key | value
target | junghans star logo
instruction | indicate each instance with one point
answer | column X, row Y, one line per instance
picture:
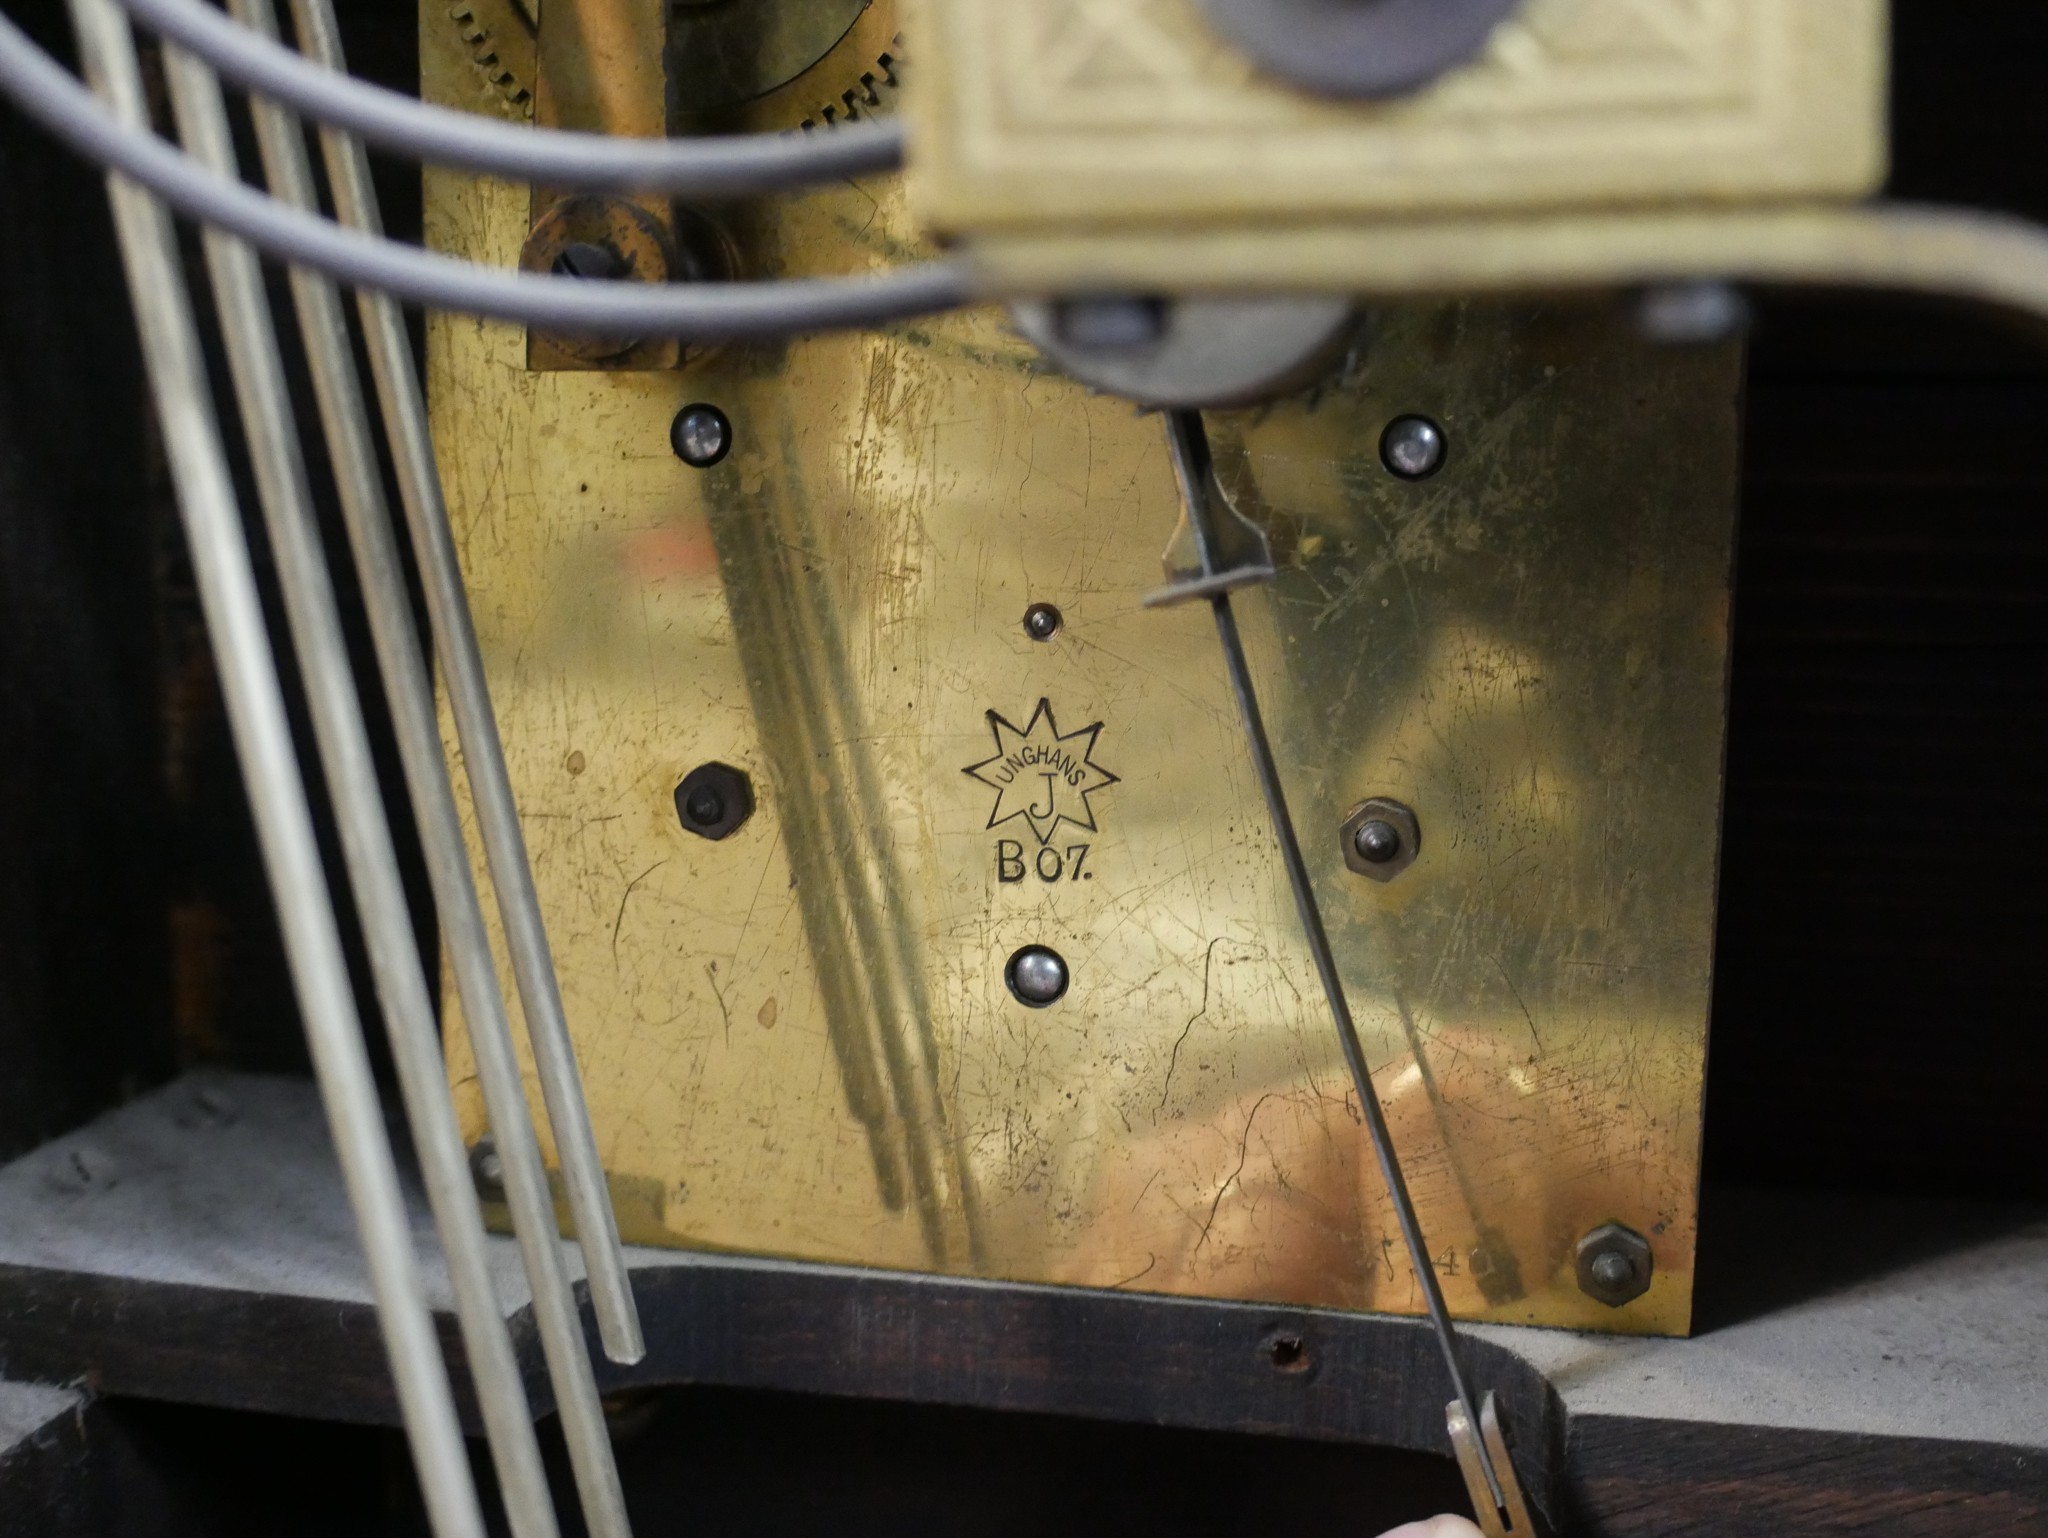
column 1042, row 775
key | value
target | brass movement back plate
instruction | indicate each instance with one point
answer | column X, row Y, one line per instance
column 799, row 1040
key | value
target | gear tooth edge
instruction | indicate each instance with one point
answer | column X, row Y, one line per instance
column 865, row 93
column 480, row 43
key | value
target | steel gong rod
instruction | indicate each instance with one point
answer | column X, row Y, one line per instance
column 483, row 754
column 351, row 442
column 277, row 793
column 257, row 368
column 1189, row 442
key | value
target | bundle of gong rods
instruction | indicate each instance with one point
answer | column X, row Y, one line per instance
column 148, row 177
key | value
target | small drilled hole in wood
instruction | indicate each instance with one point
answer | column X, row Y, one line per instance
column 1287, row 1353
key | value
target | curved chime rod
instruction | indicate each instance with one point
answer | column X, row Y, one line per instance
column 764, row 307
column 734, row 165
column 756, row 308
column 277, row 792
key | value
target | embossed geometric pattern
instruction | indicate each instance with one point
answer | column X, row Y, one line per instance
column 1142, row 60
column 1127, row 108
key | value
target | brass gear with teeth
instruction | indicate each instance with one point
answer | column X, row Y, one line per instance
column 499, row 38
column 873, row 48
column 873, row 95
column 856, row 78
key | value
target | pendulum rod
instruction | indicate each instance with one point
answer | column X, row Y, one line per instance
column 1190, row 445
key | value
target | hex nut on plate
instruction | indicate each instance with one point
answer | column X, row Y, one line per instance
column 599, row 238
column 1614, row 1264
column 713, row 800
column 1380, row 838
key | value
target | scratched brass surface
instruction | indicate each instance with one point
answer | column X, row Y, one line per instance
column 799, row 1041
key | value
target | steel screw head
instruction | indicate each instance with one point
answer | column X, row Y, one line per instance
column 487, row 1169
column 589, row 259
column 600, row 238
column 1042, row 622
column 713, row 800
column 1413, row 447
column 1614, row 1264
column 1377, row 841
column 1037, row 975
column 701, row 435
column 1612, row 1272
column 1381, row 838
